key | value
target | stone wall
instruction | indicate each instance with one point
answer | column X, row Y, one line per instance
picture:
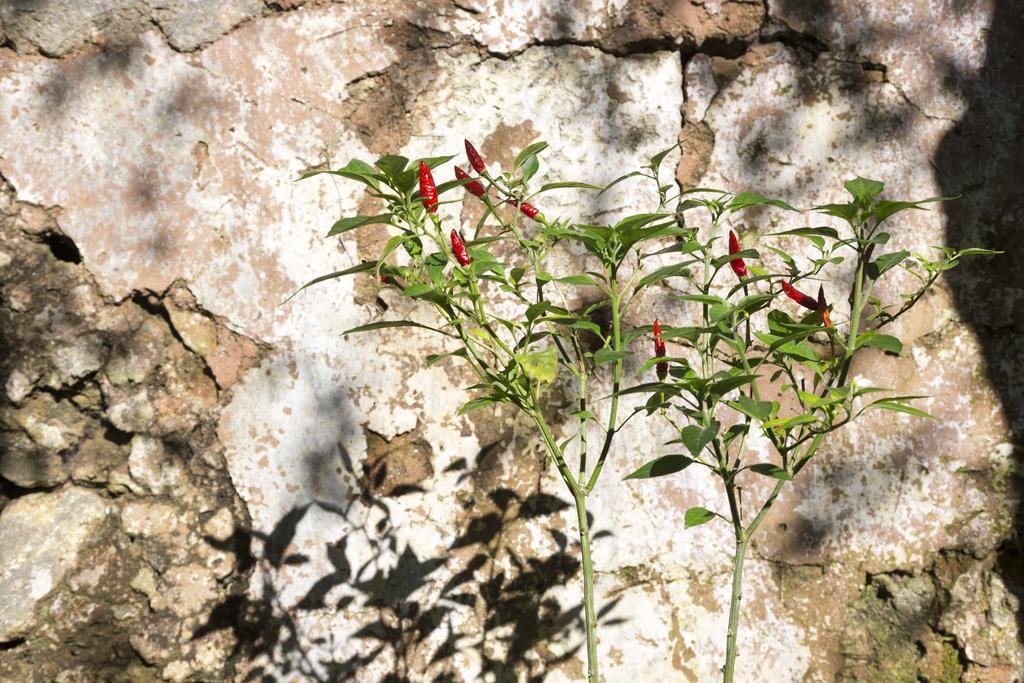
column 198, row 483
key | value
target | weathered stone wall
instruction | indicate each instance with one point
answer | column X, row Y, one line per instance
column 197, row 483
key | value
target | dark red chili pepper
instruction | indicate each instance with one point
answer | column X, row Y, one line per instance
column 428, row 190
column 459, row 249
column 823, row 307
column 529, row 209
column 473, row 187
column 799, row 297
column 738, row 266
column 474, row 158
column 659, row 351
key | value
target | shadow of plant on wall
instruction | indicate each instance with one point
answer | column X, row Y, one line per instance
column 481, row 599
column 982, row 159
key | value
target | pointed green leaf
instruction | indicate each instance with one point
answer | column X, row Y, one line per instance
column 863, row 190
column 876, row 268
column 745, row 199
column 770, row 470
column 559, row 186
column 529, row 151
column 540, row 366
column 346, row 224
column 359, row 268
column 885, row 342
column 659, row 467
column 696, row 516
column 384, row 324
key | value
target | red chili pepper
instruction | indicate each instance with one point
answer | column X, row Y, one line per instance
column 738, row 266
column 530, row 210
column 428, row 190
column 474, row 158
column 823, row 307
column 459, row 249
column 473, row 187
column 799, row 297
column 659, row 351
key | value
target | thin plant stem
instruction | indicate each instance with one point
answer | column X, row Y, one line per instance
column 588, row 587
column 729, row 670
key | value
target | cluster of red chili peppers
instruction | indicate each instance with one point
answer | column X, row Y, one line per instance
column 739, row 267
column 428, row 192
column 805, row 300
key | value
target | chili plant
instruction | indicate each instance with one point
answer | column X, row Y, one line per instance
column 505, row 264
column 717, row 392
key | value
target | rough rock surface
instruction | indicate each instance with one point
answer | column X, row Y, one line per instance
column 197, row 483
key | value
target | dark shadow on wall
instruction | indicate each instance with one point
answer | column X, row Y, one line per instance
column 417, row 613
column 982, row 160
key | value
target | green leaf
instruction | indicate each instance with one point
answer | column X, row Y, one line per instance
column 885, row 208
column 607, row 355
column 529, row 151
column 696, row 437
column 789, row 422
column 674, row 270
column 659, row 467
column 770, row 470
column 876, row 268
column 431, row 162
column 720, row 261
column 847, row 212
column 891, row 404
column 559, row 186
column 434, row 358
column 821, row 231
column 577, row 280
column 745, row 199
column 540, row 366
column 392, row 165
column 660, row 156
column 476, row 403
column 530, row 167
column 354, row 170
column 701, row 298
column 974, row 251
column 384, row 324
column 759, row 410
column 346, row 224
column 696, row 516
column 885, row 342
column 726, row 385
column 584, row 414
column 424, row 291
column 452, row 184
column 359, row 268
column 863, row 190
column 637, row 221
column 620, row 179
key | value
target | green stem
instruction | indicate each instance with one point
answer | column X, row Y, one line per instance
column 616, row 381
column 588, row 588
column 734, row 611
